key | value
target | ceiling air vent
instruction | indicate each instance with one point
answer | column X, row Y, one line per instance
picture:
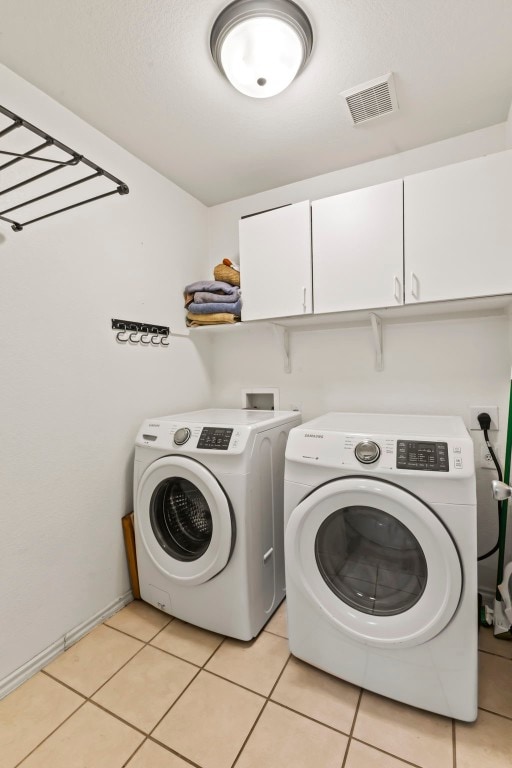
column 372, row 99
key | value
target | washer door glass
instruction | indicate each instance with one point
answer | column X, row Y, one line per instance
column 375, row 560
column 181, row 519
column 184, row 522
column 370, row 560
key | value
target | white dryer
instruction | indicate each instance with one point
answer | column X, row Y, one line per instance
column 208, row 491
column 380, row 551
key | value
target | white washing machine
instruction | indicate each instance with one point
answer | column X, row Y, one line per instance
column 380, row 552
column 208, row 490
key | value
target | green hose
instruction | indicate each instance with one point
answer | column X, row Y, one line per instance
column 503, row 516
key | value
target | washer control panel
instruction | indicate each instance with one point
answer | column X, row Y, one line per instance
column 427, row 456
column 215, row 438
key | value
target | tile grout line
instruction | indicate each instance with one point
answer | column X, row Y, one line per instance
column 238, row 685
column 152, row 738
column 134, row 753
column 493, row 653
column 118, row 717
column 308, row 717
column 383, row 752
column 199, row 669
column 260, row 713
column 356, row 712
column 276, row 634
column 492, row 712
column 51, row 734
column 171, row 751
column 134, row 637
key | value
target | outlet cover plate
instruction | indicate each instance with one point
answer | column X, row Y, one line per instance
column 492, row 410
column 486, row 461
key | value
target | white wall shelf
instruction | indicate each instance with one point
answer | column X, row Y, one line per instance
column 417, row 313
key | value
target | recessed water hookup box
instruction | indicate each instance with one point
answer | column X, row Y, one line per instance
column 261, row 399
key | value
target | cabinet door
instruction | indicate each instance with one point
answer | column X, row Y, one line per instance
column 358, row 249
column 275, row 262
column 458, row 230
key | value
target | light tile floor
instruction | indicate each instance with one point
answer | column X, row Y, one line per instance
column 147, row 691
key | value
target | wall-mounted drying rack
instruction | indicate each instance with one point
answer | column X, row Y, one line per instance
column 143, row 333
column 21, row 132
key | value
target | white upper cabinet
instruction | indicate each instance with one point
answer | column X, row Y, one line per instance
column 358, row 249
column 458, row 230
column 275, row 262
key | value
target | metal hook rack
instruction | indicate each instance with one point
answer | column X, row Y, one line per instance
column 75, row 159
column 147, row 333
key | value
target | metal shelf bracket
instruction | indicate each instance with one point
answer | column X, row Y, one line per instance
column 376, row 324
column 282, row 335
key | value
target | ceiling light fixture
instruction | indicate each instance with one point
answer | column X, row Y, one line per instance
column 261, row 45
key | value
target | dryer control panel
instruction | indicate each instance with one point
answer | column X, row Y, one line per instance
column 215, row 438
column 193, row 438
column 424, row 455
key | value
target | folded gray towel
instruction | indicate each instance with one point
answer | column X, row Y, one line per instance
column 206, row 309
column 205, row 297
column 212, row 286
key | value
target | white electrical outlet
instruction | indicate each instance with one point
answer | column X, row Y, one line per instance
column 492, row 410
column 486, row 461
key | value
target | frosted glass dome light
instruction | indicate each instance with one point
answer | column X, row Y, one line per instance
column 261, row 45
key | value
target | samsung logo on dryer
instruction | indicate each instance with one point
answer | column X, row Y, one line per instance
column 309, row 434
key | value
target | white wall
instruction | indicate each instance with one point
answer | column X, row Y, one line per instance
column 509, row 128
column 72, row 398
column 431, row 366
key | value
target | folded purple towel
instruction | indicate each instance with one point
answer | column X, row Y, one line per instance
column 205, row 297
column 212, row 286
column 206, row 309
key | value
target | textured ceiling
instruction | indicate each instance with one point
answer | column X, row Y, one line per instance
column 141, row 72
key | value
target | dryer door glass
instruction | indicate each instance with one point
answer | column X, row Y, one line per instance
column 379, row 561
column 370, row 560
column 181, row 519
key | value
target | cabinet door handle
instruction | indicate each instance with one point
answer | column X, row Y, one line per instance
column 398, row 290
column 415, row 286
column 304, row 298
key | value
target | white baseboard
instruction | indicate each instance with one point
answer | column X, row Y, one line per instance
column 21, row 674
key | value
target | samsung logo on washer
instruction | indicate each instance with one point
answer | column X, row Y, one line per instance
column 308, row 434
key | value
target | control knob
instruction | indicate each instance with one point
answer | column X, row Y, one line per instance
column 181, row 436
column 367, row 452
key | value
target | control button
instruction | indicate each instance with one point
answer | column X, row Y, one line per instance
column 457, row 449
column 181, row 436
column 367, row 452
column 458, row 463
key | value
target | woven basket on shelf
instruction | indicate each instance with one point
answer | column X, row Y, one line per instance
column 226, row 274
